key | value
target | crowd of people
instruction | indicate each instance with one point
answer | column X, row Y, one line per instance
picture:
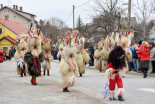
column 7, row 54
column 142, row 55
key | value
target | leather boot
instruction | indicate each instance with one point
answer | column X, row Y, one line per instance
column 120, row 98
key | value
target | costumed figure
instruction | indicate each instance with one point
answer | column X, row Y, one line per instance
column 68, row 67
column 22, row 48
column 128, row 53
column 85, row 56
column 108, row 46
column 114, row 72
column 48, row 57
column 60, row 51
column 97, row 56
column 33, row 58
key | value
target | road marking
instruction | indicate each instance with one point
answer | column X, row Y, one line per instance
column 148, row 89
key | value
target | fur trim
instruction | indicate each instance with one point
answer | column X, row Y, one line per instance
column 120, row 91
column 121, row 72
column 111, row 94
column 109, row 74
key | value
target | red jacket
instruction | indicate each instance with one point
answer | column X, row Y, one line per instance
column 144, row 54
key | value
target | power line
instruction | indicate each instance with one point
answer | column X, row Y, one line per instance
column 83, row 4
column 68, row 16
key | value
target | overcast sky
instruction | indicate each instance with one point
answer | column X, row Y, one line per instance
column 44, row 9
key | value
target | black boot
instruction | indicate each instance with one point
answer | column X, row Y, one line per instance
column 80, row 75
column 65, row 90
column 24, row 74
column 44, row 72
column 120, row 98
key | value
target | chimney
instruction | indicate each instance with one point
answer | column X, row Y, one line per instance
column 1, row 6
column 14, row 6
column 21, row 8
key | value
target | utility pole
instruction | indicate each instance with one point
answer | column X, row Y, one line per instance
column 73, row 16
column 129, row 15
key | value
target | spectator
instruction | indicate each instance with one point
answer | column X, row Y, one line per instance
column 134, row 56
column 7, row 54
column 140, row 46
column 130, row 64
column 144, row 58
column 152, row 56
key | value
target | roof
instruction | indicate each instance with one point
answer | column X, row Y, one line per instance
column 153, row 21
column 15, row 27
column 9, row 39
column 18, row 12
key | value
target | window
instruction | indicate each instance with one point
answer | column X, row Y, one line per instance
column 0, row 31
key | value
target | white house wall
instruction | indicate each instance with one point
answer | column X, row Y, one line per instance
column 152, row 32
column 13, row 16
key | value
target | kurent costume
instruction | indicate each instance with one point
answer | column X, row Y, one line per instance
column 22, row 48
column 48, row 57
column 82, row 57
column 33, row 58
column 97, row 56
column 128, row 53
column 68, row 67
column 60, row 51
column 114, row 72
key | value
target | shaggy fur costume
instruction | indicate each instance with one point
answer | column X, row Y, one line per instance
column 60, row 51
column 68, row 67
column 114, row 72
column 22, row 48
column 48, row 57
column 97, row 56
column 128, row 53
column 82, row 57
column 33, row 58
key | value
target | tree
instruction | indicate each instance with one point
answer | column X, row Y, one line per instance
column 108, row 15
column 79, row 25
column 144, row 10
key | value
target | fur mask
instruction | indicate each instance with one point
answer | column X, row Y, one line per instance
column 69, row 52
column 46, row 48
column 22, row 48
column 35, row 47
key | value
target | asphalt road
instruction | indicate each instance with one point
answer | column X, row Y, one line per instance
column 88, row 89
column 138, row 90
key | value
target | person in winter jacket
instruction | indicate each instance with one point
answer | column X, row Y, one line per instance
column 134, row 56
column 144, row 58
column 152, row 56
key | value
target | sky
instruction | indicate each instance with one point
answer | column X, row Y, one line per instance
column 44, row 9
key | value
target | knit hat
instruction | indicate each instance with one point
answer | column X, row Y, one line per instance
column 145, row 45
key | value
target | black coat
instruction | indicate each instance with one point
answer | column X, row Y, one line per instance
column 30, row 62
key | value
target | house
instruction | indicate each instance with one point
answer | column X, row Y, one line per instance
column 18, row 15
column 151, row 30
column 9, row 30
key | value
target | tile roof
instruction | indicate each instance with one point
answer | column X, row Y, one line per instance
column 153, row 21
column 15, row 27
column 10, row 39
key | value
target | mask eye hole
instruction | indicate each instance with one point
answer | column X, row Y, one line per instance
column 23, row 49
column 35, row 47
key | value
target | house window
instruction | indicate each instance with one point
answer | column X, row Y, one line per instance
column 5, row 48
column 0, row 31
